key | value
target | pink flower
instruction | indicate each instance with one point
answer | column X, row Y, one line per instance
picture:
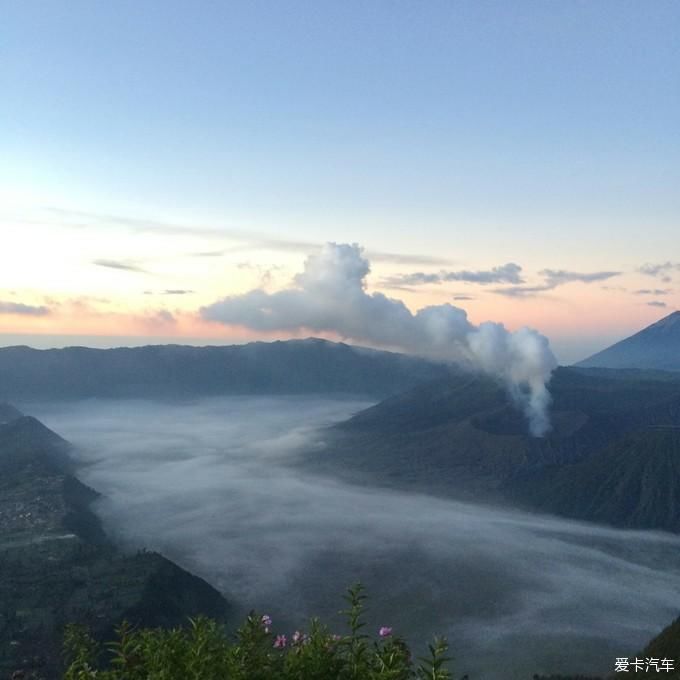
column 385, row 631
column 280, row 641
column 266, row 622
column 299, row 637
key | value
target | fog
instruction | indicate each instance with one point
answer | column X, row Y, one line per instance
column 206, row 482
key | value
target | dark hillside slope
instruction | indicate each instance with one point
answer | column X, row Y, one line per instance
column 464, row 437
column 666, row 645
column 292, row 367
column 57, row 565
column 633, row 483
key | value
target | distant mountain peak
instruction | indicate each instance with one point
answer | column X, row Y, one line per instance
column 670, row 321
column 655, row 347
column 9, row 413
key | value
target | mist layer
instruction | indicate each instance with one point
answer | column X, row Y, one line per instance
column 207, row 483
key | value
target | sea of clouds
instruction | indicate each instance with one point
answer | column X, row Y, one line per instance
column 207, row 482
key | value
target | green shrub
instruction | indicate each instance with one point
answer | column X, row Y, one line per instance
column 205, row 651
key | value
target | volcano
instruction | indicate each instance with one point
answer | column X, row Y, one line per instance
column 654, row 347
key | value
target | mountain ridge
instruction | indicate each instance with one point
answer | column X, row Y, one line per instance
column 282, row 367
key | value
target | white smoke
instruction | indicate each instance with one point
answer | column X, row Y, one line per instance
column 330, row 296
column 525, row 362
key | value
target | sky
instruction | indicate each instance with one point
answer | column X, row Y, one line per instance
column 517, row 160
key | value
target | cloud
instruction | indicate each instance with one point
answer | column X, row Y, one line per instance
column 522, row 291
column 163, row 316
column 329, row 296
column 463, row 297
column 250, row 240
column 123, row 265
column 653, row 291
column 507, row 273
column 657, row 303
column 152, row 320
column 558, row 277
column 404, row 258
column 402, row 281
column 22, row 309
column 208, row 253
column 661, row 270
column 266, row 274
column 553, row 278
column 209, row 484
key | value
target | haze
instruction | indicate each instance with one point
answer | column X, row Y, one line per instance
column 207, row 482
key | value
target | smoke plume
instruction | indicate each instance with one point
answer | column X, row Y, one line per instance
column 329, row 295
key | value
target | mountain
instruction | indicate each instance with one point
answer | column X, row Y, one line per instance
column 666, row 645
column 634, row 482
column 57, row 565
column 290, row 367
column 655, row 347
column 463, row 437
column 8, row 413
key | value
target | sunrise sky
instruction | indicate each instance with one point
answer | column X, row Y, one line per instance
column 520, row 160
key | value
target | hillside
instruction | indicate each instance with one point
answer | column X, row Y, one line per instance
column 291, row 367
column 464, row 437
column 57, row 565
column 666, row 645
column 654, row 347
column 633, row 483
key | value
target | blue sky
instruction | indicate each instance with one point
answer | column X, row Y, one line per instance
column 480, row 133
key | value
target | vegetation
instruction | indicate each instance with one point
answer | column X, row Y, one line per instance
column 631, row 483
column 58, row 566
column 204, row 650
column 610, row 456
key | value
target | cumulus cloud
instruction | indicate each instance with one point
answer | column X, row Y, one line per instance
column 554, row 278
column 507, row 273
column 656, row 303
column 661, row 270
column 22, row 309
column 329, row 296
